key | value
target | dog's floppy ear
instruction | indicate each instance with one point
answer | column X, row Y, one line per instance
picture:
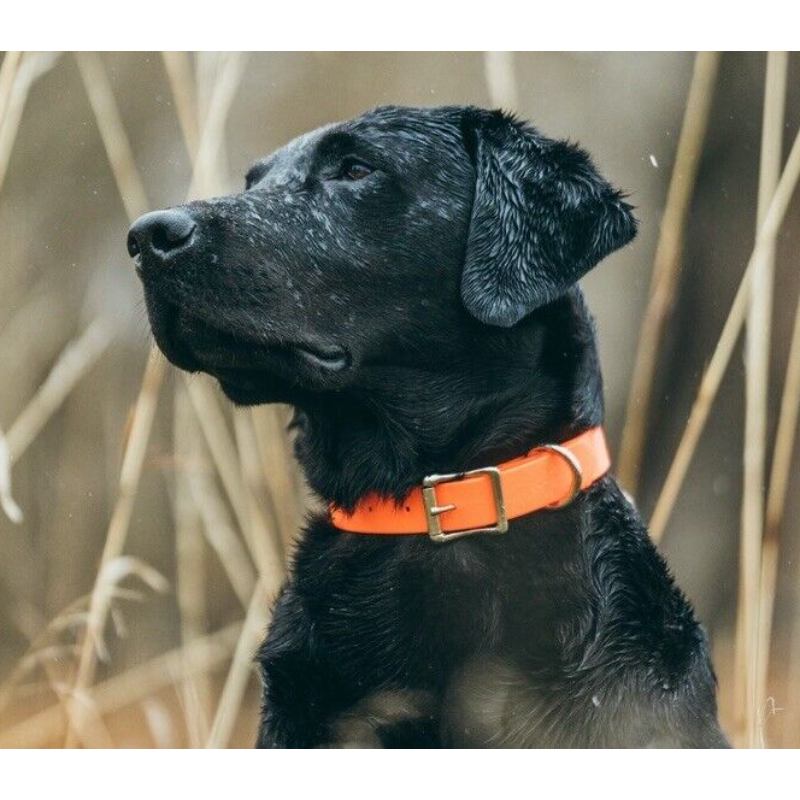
column 542, row 217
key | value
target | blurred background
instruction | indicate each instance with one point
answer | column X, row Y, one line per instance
column 146, row 524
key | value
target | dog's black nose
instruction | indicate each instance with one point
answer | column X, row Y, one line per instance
column 161, row 233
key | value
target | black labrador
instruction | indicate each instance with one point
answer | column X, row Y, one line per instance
column 407, row 282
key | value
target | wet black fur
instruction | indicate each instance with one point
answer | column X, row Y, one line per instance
column 406, row 281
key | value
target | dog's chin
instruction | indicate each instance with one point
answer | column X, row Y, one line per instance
column 250, row 370
column 254, row 389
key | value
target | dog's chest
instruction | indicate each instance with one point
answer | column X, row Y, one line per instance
column 388, row 618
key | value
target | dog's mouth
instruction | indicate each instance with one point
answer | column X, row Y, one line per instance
column 237, row 357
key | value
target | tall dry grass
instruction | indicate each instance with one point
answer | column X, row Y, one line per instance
column 252, row 542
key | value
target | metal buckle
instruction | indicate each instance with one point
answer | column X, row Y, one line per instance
column 433, row 509
column 577, row 474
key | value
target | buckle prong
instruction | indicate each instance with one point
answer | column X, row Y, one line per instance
column 436, row 510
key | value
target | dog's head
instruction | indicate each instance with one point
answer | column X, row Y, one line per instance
column 399, row 239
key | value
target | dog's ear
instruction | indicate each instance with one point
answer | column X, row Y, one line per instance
column 542, row 217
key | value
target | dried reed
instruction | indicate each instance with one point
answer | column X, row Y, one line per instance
column 178, row 67
column 498, row 67
column 280, row 472
column 759, row 325
column 17, row 80
column 132, row 463
column 242, row 493
column 131, row 189
column 714, row 372
column 77, row 358
column 74, row 362
column 785, row 440
column 205, row 177
column 241, row 668
column 119, row 153
column 146, row 679
column 190, row 562
column 8, row 71
column 112, row 131
column 666, row 265
column 222, row 537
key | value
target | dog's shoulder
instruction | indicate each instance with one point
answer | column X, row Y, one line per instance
column 638, row 599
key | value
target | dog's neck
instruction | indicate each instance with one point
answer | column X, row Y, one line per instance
column 541, row 385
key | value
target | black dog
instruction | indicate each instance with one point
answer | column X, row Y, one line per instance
column 406, row 281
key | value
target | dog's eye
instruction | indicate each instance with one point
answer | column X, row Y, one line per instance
column 354, row 170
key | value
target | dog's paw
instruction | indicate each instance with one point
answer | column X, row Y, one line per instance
column 388, row 718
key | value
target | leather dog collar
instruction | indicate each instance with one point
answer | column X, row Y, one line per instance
column 483, row 500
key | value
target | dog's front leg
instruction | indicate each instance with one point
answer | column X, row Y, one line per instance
column 396, row 718
column 307, row 703
column 304, row 707
column 295, row 712
column 301, row 693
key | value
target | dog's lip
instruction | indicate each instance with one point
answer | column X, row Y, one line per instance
column 328, row 357
column 332, row 357
column 222, row 356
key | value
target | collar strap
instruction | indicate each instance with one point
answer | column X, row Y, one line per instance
column 483, row 500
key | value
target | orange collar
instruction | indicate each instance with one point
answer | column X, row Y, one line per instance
column 484, row 500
